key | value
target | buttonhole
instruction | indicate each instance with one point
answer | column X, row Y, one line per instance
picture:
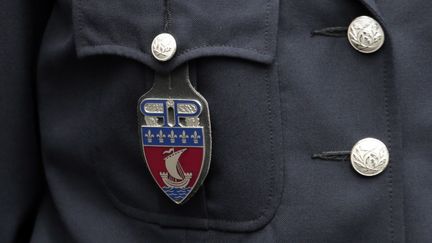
column 333, row 155
column 338, row 31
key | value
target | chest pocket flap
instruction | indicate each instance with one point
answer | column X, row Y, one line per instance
column 240, row 28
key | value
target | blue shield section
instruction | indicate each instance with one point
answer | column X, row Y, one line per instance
column 172, row 136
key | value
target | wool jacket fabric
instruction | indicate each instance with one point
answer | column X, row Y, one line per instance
column 279, row 90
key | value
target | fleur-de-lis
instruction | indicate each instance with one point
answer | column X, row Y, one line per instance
column 161, row 136
column 195, row 137
column 184, row 137
column 149, row 136
column 172, row 136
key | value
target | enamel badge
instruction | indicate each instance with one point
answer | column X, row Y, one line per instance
column 174, row 127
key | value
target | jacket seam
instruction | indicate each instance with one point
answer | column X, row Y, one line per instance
column 389, row 140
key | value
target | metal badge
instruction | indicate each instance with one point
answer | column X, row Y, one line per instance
column 174, row 126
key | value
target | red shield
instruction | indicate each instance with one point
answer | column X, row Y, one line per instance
column 175, row 158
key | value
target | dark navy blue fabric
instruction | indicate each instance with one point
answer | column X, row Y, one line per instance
column 21, row 171
column 201, row 28
column 71, row 166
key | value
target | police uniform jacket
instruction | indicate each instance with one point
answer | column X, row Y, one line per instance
column 288, row 97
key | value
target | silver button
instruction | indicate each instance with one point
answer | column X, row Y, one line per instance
column 369, row 157
column 163, row 47
column 365, row 34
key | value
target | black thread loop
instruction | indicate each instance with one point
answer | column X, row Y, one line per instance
column 333, row 155
column 331, row 32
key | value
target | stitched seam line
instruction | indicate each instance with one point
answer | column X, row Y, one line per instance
column 282, row 141
column 86, row 49
column 167, row 15
column 389, row 136
column 80, row 20
column 272, row 158
column 389, row 140
column 206, row 45
column 267, row 26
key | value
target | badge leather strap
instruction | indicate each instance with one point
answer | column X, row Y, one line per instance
column 175, row 133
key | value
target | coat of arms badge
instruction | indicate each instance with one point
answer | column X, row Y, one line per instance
column 174, row 127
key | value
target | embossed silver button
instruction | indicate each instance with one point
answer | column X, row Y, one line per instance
column 163, row 47
column 369, row 157
column 365, row 34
